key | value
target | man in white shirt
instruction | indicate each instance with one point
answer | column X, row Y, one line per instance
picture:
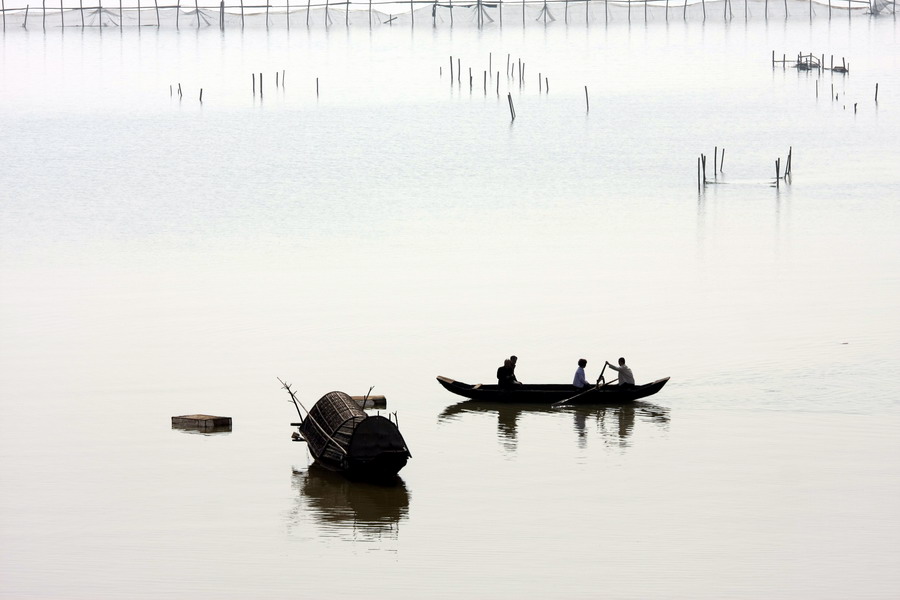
column 580, row 380
column 626, row 377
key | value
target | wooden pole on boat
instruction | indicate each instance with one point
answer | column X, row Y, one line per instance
column 512, row 110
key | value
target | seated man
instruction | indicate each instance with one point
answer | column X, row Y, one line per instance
column 580, row 380
column 626, row 377
column 505, row 376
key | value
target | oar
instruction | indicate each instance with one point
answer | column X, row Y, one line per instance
column 599, row 379
column 562, row 402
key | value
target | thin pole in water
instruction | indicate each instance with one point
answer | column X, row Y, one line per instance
column 876, row 93
column 698, row 174
column 587, row 101
column 512, row 110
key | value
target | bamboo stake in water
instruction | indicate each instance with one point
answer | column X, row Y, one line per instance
column 722, row 161
column 876, row 93
column 201, row 95
column 512, row 110
column 546, row 86
column 498, row 83
column 253, row 75
column 698, row 174
column 587, row 101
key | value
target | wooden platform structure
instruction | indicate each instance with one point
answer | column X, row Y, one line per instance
column 202, row 422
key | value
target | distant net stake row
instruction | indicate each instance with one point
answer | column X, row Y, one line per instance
column 480, row 14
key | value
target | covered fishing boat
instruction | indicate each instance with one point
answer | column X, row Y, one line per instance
column 552, row 393
column 342, row 437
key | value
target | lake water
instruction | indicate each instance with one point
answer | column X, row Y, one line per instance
column 160, row 256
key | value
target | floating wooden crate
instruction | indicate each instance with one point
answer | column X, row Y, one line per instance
column 371, row 401
column 204, row 422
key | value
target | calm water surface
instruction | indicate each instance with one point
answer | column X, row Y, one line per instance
column 160, row 257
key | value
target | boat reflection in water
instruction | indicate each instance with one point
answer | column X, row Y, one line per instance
column 615, row 422
column 351, row 509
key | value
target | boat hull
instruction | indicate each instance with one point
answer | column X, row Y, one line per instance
column 552, row 393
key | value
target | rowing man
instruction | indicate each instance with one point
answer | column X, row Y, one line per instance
column 626, row 377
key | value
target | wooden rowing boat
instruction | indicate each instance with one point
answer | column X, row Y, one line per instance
column 552, row 393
